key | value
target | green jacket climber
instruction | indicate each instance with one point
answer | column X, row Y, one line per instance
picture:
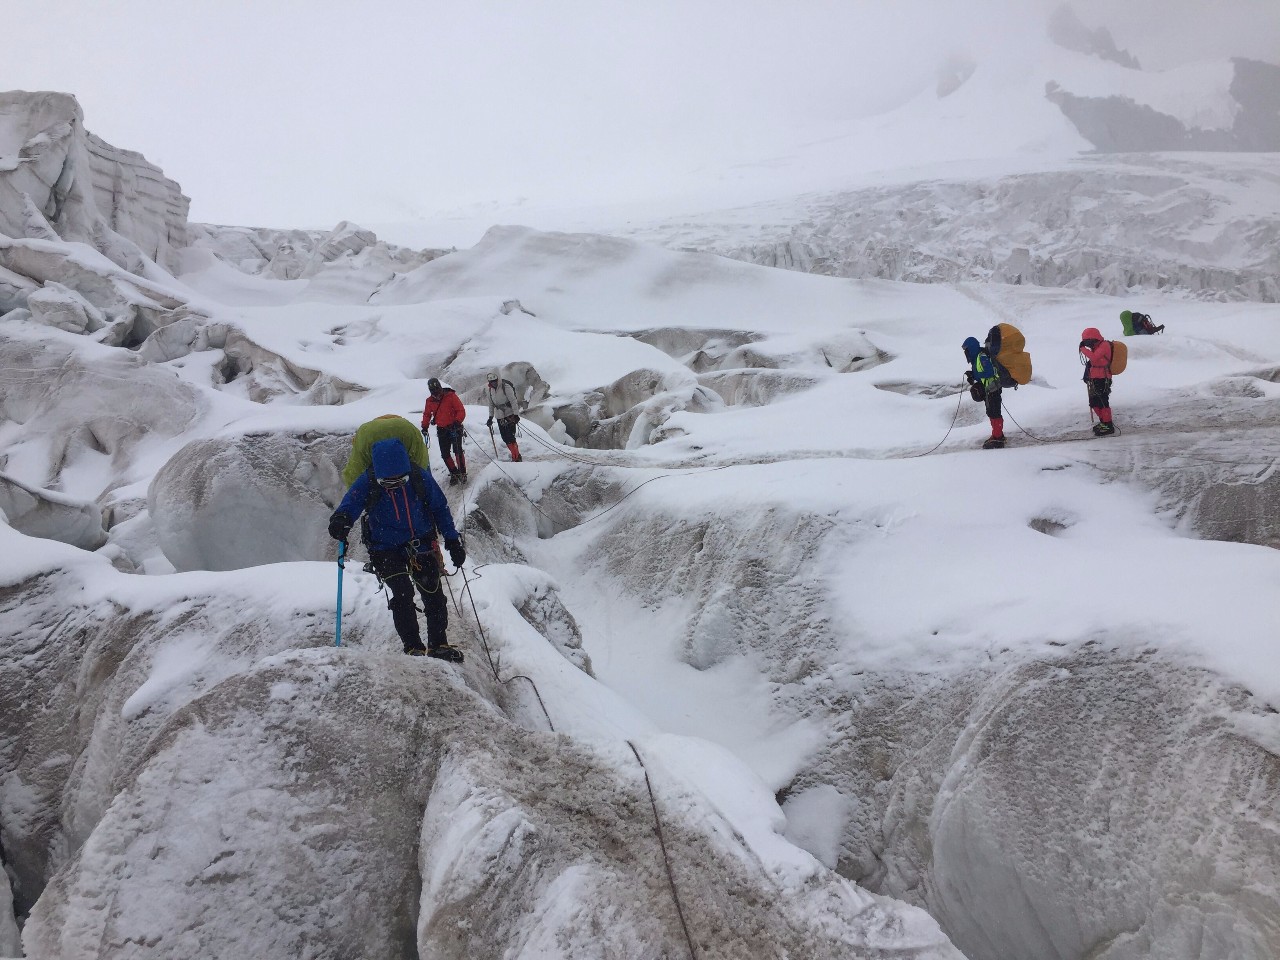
column 388, row 425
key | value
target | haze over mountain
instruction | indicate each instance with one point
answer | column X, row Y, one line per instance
column 407, row 112
column 765, row 656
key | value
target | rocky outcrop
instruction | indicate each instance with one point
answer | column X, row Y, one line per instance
column 1067, row 31
column 1119, row 124
column 10, row 938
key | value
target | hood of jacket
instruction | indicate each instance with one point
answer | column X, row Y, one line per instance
column 390, row 458
column 971, row 348
column 1092, row 333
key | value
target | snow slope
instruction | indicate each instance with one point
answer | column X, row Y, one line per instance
column 864, row 667
column 765, row 657
column 1029, row 108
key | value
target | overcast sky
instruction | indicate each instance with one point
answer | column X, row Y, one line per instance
column 304, row 112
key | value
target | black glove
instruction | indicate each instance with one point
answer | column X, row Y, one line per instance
column 968, row 375
column 1089, row 343
column 456, row 553
column 339, row 525
column 425, row 434
column 489, row 422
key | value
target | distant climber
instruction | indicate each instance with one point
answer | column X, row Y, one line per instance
column 1095, row 354
column 445, row 410
column 984, row 385
column 387, row 425
column 1138, row 324
column 501, row 395
column 404, row 508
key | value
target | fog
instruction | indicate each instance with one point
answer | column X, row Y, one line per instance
column 304, row 112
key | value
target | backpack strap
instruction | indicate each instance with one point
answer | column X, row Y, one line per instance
column 370, row 500
column 375, row 491
column 418, row 480
column 993, row 341
column 419, row 484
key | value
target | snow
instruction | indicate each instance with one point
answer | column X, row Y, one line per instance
column 881, row 692
column 851, row 523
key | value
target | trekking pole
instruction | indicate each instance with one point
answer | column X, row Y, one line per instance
column 342, row 553
column 493, row 441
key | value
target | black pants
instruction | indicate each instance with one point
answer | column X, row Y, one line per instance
column 1099, row 393
column 402, row 572
column 993, row 403
column 507, row 427
column 450, row 440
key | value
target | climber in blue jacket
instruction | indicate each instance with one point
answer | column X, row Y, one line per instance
column 404, row 508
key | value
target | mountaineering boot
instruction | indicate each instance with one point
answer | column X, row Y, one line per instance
column 996, row 440
column 462, row 477
column 1103, row 429
column 418, row 651
column 514, row 451
column 445, row 652
column 453, row 479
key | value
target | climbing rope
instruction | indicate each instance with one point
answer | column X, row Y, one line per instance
column 1005, row 410
column 484, row 641
column 666, row 858
column 596, row 516
column 488, row 653
column 1265, row 464
column 560, row 452
column 494, row 460
column 954, row 417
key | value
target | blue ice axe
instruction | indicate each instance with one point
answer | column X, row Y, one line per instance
column 342, row 552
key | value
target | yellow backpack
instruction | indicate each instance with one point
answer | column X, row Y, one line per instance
column 1119, row 357
column 1007, row 346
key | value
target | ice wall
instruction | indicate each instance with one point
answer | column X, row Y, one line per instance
column 1203, row 227
column 59, row 181
column 304, row 254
